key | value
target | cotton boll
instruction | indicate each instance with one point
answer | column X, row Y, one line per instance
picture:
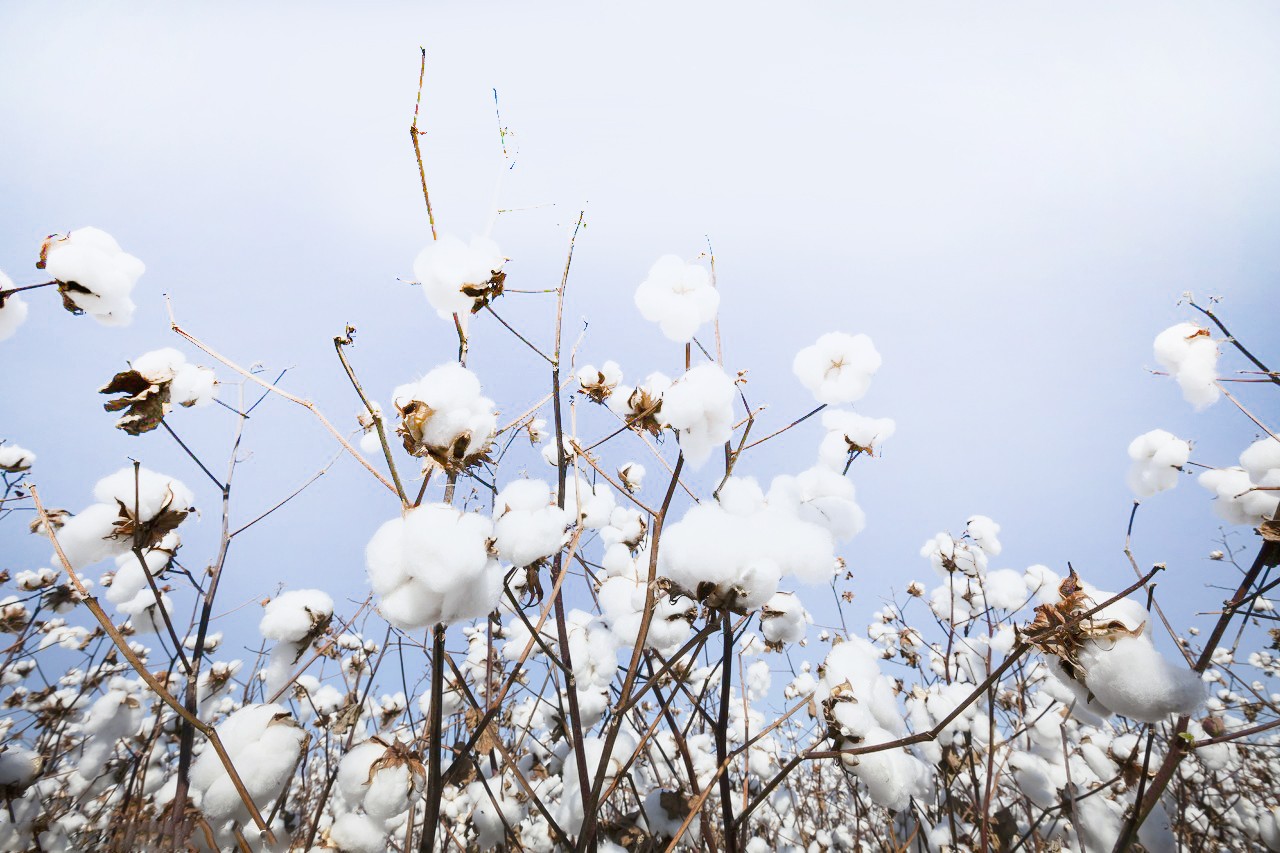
column 1238, row 502
column 678, row 297
column 527, row 525
column 838, row 368
column 1262, row 460
column 700, row 406
column 849, row 433
column 445, row 417
column 641, row 407
column 982, row 531
column 13, row 311
column 149, row 492
column 599, row 383
column 359, row 833
column 632, row 476
column 433, row 566
column 94, row 274
column 593, row 505
column 457, row 277
column 1131, row 678
column 783, row 619
column 1158, row 457
column 1005, row 589
column 296, row 616
column 1191, row 355
column 263, row 742
column 85, row 538
column 15, row 459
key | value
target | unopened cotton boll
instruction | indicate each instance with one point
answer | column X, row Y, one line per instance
column 838, row 367
column 1158, row 457
column 700, row 405
column 93, row 273
column 15, row 459
column 1190, row 353
column 432, row 566
column 456, row 277
column 528, row 526
column 678, row 297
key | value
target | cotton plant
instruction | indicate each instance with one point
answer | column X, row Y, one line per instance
column 153, row 384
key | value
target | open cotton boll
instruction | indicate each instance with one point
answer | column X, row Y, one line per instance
column 446, row 418
column 13, row 310
column 838, row 368
column 359, row 833
column 782, row 620
column 15, row 459
column 528, row 526
column 1190, row 353
column 894, row 776
column 1131, row 678
column 457, row 277
column 1238, row 502
column 593, row 505
column 1158, row 457
column 700, row 405
column 983, row 532
column 641, row 407
column 1262, row 460
column 849, row 433
column 106, row 528
column 632, row 475
column 856, row 693
column 296, row 616
column 433, row 566
column 947, row 555
column 149, row 492
column 678, row 297
column 599, row 383
column 263, row 743
column 94, row 275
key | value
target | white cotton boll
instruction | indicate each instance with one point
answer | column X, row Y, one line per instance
column 758, row 680
column 1005, row 589
column 893, row 777
column 160, row 365
column 1131, row 678
column 1190, row 353
column 678, row 297
column 1237, row 500
column 1042, row 584
column 741, row 496
column 527, row 524
column 857, row 663
column 1037, row 779
column 371, row 444
column 147, row 491
column 447, row 265
column 445, row 415
column 19, row 767
column 632, row 476
column 85, row 537
column 89, row 259
column 700, row 405
column 838, row 367
column 599, row 383
column 15, row 459
column 13, row 312
column 193, row 386
column 263, row 742
column 821, row 497
column 391, row 789
column 983, row 532
column 641, row 406
column 1158, row 457
column 433, row 566
column 293, row 616
column 1262, row 460
column 358, row 833
column 849, row 432
column 783, row 619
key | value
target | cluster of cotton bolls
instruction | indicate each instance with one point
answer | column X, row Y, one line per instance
column 378, row 780
column 1248, row 494
column 1190, row 354
column 432, row 566
column 460, row 278
column 139, row 507
column 95, row 276
column 527, row 524
column 734, row 551
column 446, row 418
column 678, row 296
column 1158, row 457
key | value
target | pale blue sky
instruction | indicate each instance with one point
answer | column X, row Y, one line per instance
column 1009, row 198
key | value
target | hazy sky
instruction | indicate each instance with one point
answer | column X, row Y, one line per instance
column 1009, row 198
